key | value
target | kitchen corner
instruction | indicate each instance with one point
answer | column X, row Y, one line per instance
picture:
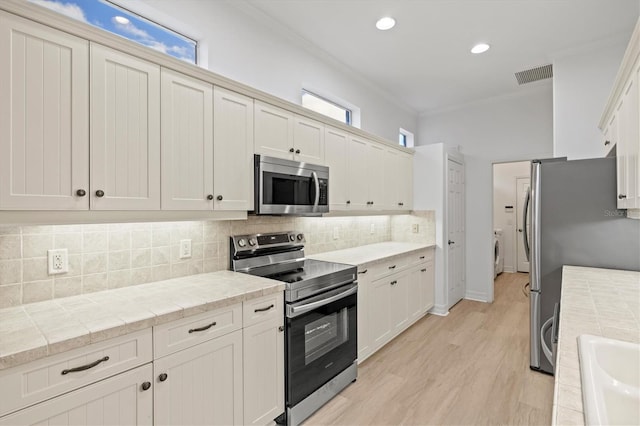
column 600, row 302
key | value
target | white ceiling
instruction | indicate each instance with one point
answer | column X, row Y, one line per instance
column 425, row 63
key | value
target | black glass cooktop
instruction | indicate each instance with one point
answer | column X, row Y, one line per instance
column 311, row 269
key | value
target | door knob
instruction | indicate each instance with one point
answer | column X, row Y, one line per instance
column 621, row 196
column 451, row 242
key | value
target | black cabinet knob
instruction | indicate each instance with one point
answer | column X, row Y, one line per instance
column 210, row 197
column 281, row 328
column 99, row 193
column 291, row 149
column 297, row 151
column 81, row 192
column 348, row 201
column 621, row 196
column 606, row 143
column 162, row 377
column 219, row 198
column 145, row 386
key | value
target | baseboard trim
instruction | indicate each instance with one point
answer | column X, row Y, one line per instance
column 440, row 310
column 476, row 296
column 510, row 270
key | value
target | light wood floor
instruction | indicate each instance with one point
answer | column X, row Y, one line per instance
column 471, row 367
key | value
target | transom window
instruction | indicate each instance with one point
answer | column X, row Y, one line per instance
column 405, row 138
column 326, row 107
column 109, row 17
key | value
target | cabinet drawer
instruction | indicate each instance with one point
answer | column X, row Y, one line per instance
column 389, row 266
column 184, row 333
column 263, row 308
column 28, row 384
column 421, row 257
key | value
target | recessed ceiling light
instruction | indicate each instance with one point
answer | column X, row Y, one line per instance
column 121, row 20
column 480, row 48
column 385, row 23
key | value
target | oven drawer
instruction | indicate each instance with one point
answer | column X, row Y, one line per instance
column 184, row 333
column 262, row 309
column 31, row 383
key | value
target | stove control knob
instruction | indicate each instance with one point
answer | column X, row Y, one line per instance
column 242, row 242
column 292, row 237
column 300, row 237
column 252, row 242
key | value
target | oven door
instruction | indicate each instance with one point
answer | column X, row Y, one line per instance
column 321, row 340
column 290, row 187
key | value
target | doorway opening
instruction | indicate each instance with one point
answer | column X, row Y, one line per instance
column 510, row 185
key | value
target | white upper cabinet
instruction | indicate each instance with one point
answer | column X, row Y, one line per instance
column 187, row 142
column 336, row 144
column 406, row 181
column 375, row 176
column 44, row 117
column 283, row 134
column 273, row 131
column 357, row 174
column 125, row 131
column 308, row 140
column 233, row 150
column 392, row 179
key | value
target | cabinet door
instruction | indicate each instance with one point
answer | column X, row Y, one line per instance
column 273, row 131
column 365, row 345
column 399, row 302
column 119, row 400
column 629, row 144
column 44, row 117
column 406, row 181
column 376, row 176
column 392, row 179
column 379, row 312
column 427, row 286
column 336, row 143
column 308, row 140
column 232, row 150
column 125, row 131
column 187, row 142
column 263, row 372
column 358, row 174
column 202, row 386
column 414, row 293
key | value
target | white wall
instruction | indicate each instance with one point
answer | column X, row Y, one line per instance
column 504, row 194
column 581, row 86
column 510, row 128
column 239, row 43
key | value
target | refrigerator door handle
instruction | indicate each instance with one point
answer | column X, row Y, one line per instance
column 534, row 330
column 545, row 348
column 534, row 241
column 525, row 235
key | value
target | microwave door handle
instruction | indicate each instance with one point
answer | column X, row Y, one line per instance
column 317, row 185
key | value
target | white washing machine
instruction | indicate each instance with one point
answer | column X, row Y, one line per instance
column 498, row 257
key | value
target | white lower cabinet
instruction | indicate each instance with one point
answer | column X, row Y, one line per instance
column 201, row 385
column 392, row 295
column 264, row 371
column 125, row 399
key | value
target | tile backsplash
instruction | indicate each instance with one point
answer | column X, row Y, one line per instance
column 115, row 255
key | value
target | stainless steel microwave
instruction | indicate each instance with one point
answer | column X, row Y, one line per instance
column 285, row 187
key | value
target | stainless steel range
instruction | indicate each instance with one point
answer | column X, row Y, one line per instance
column 321, row 312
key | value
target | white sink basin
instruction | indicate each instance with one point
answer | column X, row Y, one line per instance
column 610, row 373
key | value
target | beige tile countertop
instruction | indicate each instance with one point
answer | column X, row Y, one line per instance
column 371, row 253
column 602, row 302
column 37, row 330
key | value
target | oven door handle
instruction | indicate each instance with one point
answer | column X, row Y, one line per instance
column 317, row 184
column 294, row 311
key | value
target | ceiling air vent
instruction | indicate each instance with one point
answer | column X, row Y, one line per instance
column 534, row 74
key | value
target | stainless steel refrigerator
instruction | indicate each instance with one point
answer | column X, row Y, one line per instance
column 574, row 221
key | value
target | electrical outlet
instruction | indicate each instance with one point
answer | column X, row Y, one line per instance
column 373, row 228
column 58, row 261
column 336, row 233
column 185, row 249
column 415, row 228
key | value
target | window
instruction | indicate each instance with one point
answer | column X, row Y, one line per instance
column 109, row 17
column 326, row 107
column 405, row 138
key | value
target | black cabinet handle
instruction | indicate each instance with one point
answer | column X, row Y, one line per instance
column 297, row 151
column 219, row 198
column 421, row 257
column 423, row 270
column 394, row 282
column 84, row 367
column 291, row 149
column 392, row 267
column 206, row 327
column 363, row 272
column 451, row 242
column 99, row 193
column 81, row 192
column 264, row 309
column 163, row 377
column 348, row 201
column 281, row 328
column 145, row 386
column 606, row 143
column 621, row 196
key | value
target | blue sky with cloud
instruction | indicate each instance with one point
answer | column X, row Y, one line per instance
column 115, row 20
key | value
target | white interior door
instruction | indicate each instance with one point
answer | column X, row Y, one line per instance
column 455, row 231
column 522, row 186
